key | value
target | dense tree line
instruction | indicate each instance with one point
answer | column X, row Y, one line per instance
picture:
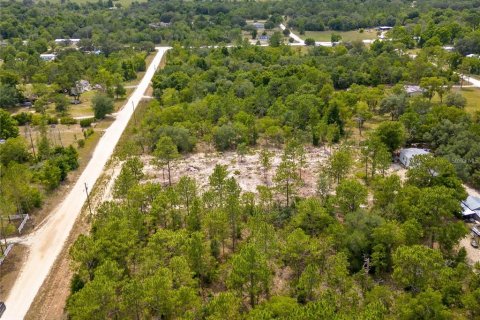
column 175, row 251
column 28, row 172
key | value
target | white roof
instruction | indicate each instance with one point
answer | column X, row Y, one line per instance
column 65, row 40
column 473, row 203
column 407, row 154
column 411, row 152
column 413, row 89
column 466, row 211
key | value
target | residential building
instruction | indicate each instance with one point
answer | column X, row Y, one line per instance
column 408, row 154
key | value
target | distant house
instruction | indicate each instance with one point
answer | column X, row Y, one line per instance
column 473, row 55
column 67, row 42
column 81, row 86
column 259, row 25
column 48, row 56
column 407, row 154
column 263, row 38
column 412, row 90
column 448, row 48
column 160, row 24
column 384, row 28
column 471, row 208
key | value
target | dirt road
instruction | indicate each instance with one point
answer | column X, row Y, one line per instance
column 47, row 242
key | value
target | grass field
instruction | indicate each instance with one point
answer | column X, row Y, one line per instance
column 346, row 35
column 473, row 99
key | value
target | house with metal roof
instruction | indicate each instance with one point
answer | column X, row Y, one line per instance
column 471, row 208
column 407, row 154
column 48, row 56
column 413, row 90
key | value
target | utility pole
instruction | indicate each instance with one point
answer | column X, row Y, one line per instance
column 134, row 117
column 88, row 200
column 59, row 137
column 31, row 140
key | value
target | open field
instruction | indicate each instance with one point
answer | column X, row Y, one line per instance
column 473, row 99
column 353, row 35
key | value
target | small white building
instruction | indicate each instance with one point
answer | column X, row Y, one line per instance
column 407, row 154
column 473, row 55
column 413, row 90
column 67, row 41
column 48, row 56
column 448, row 48
column 259, row 25
column 384, row 28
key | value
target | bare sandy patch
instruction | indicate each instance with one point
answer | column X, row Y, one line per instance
column 247, row 170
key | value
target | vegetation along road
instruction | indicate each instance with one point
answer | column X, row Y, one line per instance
column 48, row 241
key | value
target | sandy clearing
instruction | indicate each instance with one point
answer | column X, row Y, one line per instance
column 247, row 171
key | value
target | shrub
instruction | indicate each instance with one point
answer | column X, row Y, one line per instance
column 85, row 123
column 52, row 120
column 81, row 143
column 87, row 133
column 67, row 120
column 23, row 118
column 102, row 105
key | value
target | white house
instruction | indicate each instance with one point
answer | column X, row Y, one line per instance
column 412, row 90
column 406, row 155
column 473, row 55
column 48, row 56
column 384, row 28
column 471, row 208
column 259, row 25
column 67, row 41
column 448, row 48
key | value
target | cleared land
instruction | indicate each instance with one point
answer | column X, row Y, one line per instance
column 247, row 170
column 346, row 35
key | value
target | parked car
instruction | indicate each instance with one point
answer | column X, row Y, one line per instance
column 2, row 308
column 474, row 243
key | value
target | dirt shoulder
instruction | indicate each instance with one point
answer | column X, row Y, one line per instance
column 9, row 269
column 51, row 299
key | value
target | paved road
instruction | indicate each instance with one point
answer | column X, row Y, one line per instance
column 47, row 242
column 293, row 36
column 300, row 42
column 473, row 81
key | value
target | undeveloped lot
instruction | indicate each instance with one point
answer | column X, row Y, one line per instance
column 247, row 170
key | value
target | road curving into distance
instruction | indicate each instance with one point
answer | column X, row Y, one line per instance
column 48, row 241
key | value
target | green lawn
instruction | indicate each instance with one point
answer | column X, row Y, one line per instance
column 473, row 99
column 369, row 34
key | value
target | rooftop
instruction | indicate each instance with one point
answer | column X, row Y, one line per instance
column 472, row 203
